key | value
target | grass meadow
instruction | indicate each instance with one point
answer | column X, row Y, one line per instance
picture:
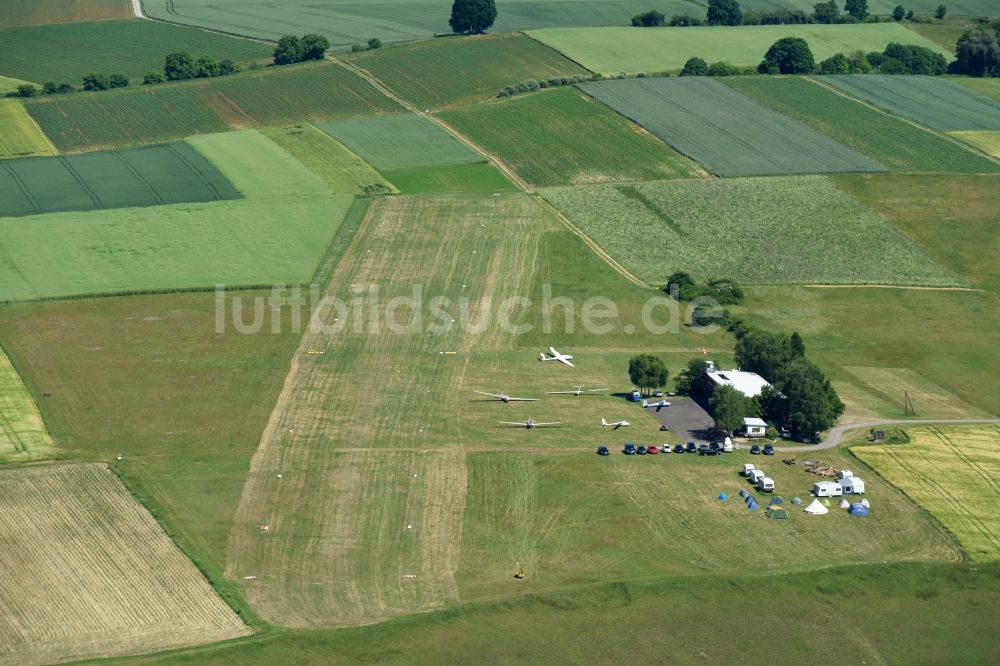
column 727, row 228
column 986, row 86
column 155, row 114
column 886, row 139
column 69, row 51
column 35, row 12
column 988, row 142
column 93, row 575
column 562, row 137
column 343, row 171
column 8, row 84
column 935, row 102
column 21, row 136
column 613, row 49
column 22, row 432
column 726, row 132
column 450, row 72
column 952, row 473
column 477, row 177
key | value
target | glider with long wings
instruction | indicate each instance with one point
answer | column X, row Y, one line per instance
column 615, row 425
column 503, row 397
column 556, row 356
column 531, row 423
column 579, row 391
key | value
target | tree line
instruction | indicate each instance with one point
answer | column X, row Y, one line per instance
column 729, row 12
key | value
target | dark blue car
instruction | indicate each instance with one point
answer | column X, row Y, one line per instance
column 603, row 451
column 679, row 448
column 755, row 450
column 629, row 449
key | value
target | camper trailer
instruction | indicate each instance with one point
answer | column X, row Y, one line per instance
column 827, row 489
column 747, row 468
column 765, row 484
column 844, row 474
column 756, row 475
column 852, row 485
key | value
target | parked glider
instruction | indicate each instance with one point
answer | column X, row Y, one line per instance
column 658, row 405
column 503, row 397
column 530, row 423
column 579, row 391
column 615, row 425
column 556, row 356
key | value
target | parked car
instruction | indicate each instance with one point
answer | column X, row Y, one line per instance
column 603, row 451
column 692, row 447
column 786, row 433
column 710, row 452
column 629, row 449
column 641, row 450
column 652, row 449
column 768, row 450
column 703, row 447
column 658, row 394
column 665, row 448
column 714, row 446
column 755, row 450
column 679, row 448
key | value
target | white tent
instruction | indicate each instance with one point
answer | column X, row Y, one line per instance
column 865, row 503
column 844, row 504
column 816, row 508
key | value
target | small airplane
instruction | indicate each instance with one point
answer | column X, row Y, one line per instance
column 615, row 425
column 658, row 405
column 579, row 391
column 556, row 356
column 530, row 423
column 503, row 397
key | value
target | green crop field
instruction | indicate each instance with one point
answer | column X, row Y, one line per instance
column 91, row 574
column 931, row 101
column 279, row 233
column 986, row 86
column 400, row 141
column 888, row 140
column 955, row 474
column 21, row 135
column 67, row 53
column 148, row 176
column 153, row 114
column 448, row 72
column 628, row 49
column 562, row 137
column 729, row 134
column 343, row 171
column 988, row 142
column 22, row 432
column 477, row 177
column 348, row 22
column 798, row 230
column 35, row 12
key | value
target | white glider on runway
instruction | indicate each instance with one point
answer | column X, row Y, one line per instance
column 556, row 356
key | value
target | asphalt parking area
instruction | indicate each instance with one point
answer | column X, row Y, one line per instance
column 686, row 418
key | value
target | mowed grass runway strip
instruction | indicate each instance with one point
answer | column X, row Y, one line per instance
column 795, row 230
column 136, row 177
column 67, row 53
column 729, row 134
column 562, row 137
column 955, row 474
column 931, row 101
column 21, row 136
column 890, row 141
column 343, row 171
column 277, row 234
column 91, row 574
column 613, row 49
column 988, row 142
column 448, row 72
column 35, row 12
column 22, row 431
column 274, row 96
column 416, row 155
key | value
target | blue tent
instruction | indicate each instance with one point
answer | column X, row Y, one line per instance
column 858, row 509
column 777, row 500
column 749, row 499
column 723, row 496
column 752, row 504
column 744, row 493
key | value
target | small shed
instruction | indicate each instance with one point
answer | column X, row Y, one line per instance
column 754, row 427
column 852, row 485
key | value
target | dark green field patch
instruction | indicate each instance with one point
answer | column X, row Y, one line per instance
column 156, row 114
column 561, row 137
column 150, row 176
column 886, row 139
column 479, row 177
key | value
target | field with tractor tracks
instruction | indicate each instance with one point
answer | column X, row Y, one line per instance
column 953, row 473
column 91, row 573
column 21, row 137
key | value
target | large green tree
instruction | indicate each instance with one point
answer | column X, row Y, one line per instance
column 729, row 407
column 724, row 12
column 857, row 8
column 789, row 55
column 690, row 381
column 314, row 47
column 693, row 67
column 764, row 353
column 977, row 53
column 826, row 12
column 289, row 50
column 472, row 17
column 178, row 66
column 96, row 81
column 647, row 372
column 813, row 404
